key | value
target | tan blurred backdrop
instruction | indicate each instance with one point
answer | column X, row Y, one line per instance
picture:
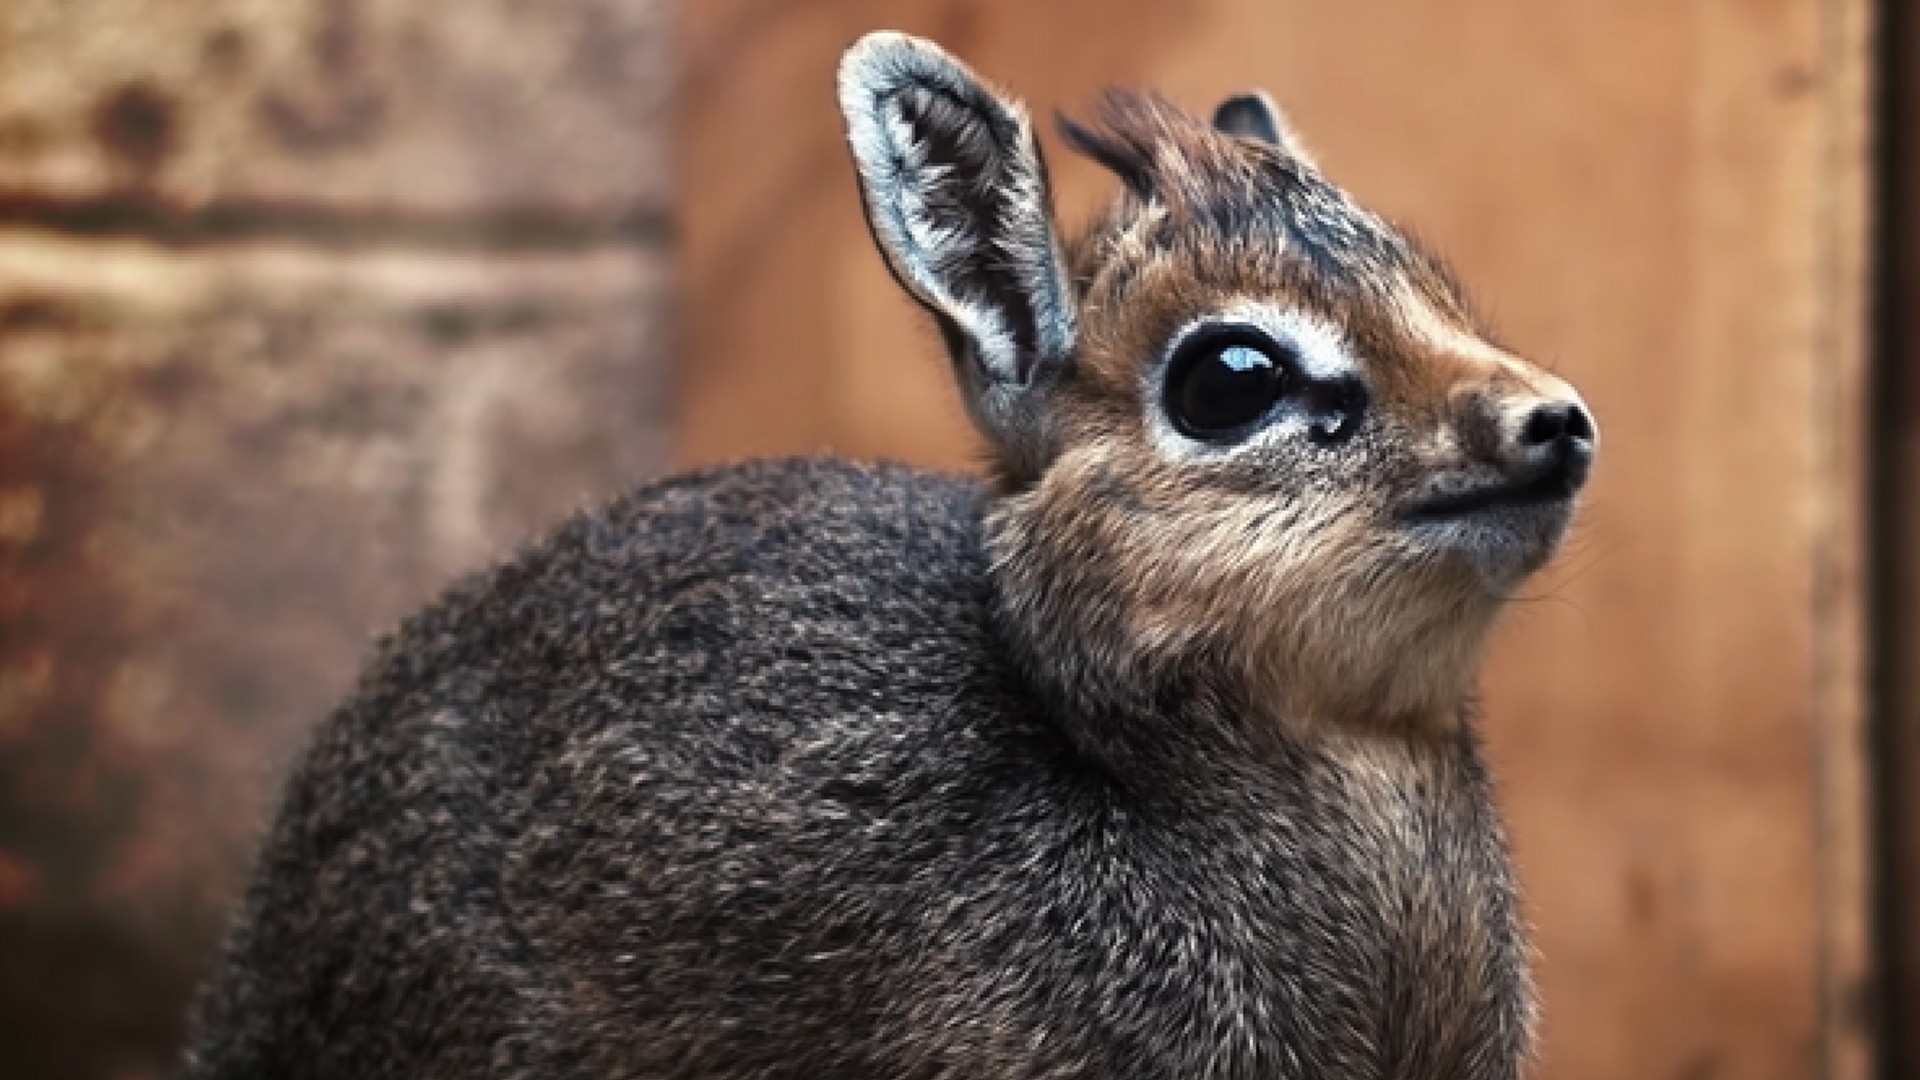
column 307, row 305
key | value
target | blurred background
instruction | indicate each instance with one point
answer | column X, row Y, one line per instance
column 308, row 305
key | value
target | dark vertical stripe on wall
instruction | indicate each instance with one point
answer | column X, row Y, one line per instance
column 1896, row 538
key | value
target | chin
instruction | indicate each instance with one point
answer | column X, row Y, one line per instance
column 1502, row 545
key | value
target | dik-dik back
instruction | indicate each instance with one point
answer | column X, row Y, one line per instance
column 1150, row 758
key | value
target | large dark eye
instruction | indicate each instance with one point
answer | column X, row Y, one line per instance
column 1219, row 384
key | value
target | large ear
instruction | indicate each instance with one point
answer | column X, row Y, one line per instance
column 1253, row 115
column 956, row 195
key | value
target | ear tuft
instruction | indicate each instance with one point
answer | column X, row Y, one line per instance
column 956, row 195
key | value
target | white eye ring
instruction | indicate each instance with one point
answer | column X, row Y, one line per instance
column 1316, row 349
column 1224, row 380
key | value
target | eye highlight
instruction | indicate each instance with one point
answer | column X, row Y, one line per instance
column 1219, row 383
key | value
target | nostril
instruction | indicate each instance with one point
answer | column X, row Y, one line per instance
column 1554, row 421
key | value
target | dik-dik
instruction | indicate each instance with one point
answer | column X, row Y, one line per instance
column 1151, row 757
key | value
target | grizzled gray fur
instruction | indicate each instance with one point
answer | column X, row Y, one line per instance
column 1149, row 759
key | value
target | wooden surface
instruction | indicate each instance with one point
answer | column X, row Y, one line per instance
column 1665, row 202
column 304, row 308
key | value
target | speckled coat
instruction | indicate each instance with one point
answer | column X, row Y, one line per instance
column 737, row 778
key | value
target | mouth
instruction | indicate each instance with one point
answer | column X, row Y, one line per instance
column 1453, row 501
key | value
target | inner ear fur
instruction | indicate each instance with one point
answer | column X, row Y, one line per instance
column 956, row 195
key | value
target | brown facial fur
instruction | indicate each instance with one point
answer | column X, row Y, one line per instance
column 1283, row 567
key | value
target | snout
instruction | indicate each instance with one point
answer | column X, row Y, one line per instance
column 1513, row 454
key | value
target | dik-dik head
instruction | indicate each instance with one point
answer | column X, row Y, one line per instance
column 1248, row 435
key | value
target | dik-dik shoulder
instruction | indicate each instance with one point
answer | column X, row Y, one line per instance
column 727, row 576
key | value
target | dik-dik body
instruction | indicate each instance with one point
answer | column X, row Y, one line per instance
column 1150, row 758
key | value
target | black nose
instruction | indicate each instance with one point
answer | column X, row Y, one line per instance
column 1557, row 441
column 1555, row 422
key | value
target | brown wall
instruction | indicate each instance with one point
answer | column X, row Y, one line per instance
column 304, row 307
column 1663, row 201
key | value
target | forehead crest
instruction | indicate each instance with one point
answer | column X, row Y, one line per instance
column 1218, row 187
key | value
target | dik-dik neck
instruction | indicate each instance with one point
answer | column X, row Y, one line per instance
column 1149, row 685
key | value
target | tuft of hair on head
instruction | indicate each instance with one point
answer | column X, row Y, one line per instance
column 1162, row 153
column 957, row 199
